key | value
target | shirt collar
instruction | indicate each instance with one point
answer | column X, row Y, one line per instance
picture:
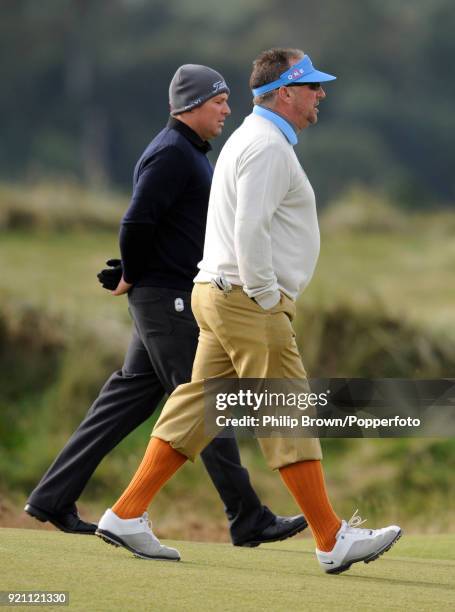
column 286, row 128
column 189, row 134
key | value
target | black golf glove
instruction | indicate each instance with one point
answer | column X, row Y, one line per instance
column 110, row 277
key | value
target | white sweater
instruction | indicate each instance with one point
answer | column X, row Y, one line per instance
column 262, row 228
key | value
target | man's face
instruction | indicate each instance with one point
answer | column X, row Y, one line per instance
column 303, row 104
column 210, row 116
column 299, row 102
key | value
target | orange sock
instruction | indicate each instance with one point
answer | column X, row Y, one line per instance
column 160, row 462
column 305, row 480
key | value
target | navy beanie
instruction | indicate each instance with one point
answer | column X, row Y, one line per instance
column 192, row 85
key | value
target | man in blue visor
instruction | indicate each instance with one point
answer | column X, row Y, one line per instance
column 260, row 251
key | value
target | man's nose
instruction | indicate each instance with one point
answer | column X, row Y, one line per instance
column 321, row 93
column 226, row 110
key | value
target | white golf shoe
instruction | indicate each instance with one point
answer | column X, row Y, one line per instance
column 135, row 535
column 354, row 545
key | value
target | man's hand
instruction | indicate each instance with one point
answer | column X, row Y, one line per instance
column 123, row 287
column 110, row 277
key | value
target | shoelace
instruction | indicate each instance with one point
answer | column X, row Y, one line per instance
column 355, row 521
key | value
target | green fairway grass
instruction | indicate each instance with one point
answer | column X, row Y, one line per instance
column 417, row 574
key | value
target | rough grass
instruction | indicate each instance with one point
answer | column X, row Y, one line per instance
column 358, row 210
column 381, row 303
column 417, row 574
column 63, row 335
column 57, row 273
column 58, row 206
column 408, row 273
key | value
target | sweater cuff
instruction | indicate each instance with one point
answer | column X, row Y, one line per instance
column 269, row 300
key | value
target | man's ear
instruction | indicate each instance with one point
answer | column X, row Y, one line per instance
column 284, row 94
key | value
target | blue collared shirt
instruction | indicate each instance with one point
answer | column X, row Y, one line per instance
column 279, row 121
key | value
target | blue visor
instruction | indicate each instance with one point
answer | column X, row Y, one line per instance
column 302, row 72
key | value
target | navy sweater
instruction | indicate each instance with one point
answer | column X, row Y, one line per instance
column 162, row 232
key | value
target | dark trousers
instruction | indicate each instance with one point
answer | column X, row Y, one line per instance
column 159, row 358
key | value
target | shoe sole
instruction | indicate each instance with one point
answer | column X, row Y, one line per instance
column 111, row 538
column 369, row 559
column 291, row 534
column 44, row 517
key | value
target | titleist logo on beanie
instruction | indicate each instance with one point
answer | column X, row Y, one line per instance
column 192, row 85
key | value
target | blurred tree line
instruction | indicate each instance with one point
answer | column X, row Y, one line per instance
column 84, row 85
